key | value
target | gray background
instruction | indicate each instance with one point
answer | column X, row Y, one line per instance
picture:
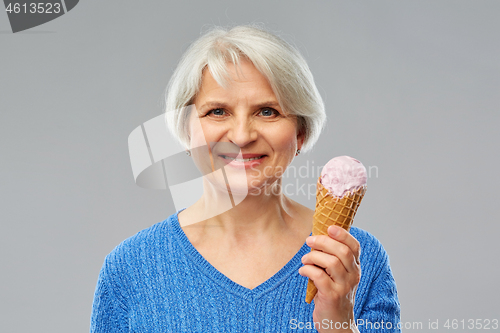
column 411, row 88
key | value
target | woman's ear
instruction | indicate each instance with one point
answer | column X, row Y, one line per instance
column 300, row 139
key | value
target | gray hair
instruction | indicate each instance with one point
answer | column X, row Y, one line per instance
column 288, row 74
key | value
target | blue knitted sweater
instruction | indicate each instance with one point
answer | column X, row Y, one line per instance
column 156, row 281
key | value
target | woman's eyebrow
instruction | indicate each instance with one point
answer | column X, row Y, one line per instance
column 214, row 105
column 270, row 103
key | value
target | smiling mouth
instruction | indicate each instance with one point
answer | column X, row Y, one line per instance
column 241, row 160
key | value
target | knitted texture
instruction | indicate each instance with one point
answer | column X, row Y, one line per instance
column 156, row 281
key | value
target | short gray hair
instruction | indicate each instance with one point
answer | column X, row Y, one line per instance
column 285, row 68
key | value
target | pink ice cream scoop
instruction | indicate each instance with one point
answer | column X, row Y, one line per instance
column 343, row 174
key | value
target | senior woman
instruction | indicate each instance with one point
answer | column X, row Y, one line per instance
column 243, row 101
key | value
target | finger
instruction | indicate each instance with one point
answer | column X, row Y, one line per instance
column 331, row 264
column 343, row 236
column 335, row 248
column 321, row 280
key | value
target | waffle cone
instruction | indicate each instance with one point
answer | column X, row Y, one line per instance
column 329, row 211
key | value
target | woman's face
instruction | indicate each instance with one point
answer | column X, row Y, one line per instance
column 244, row 127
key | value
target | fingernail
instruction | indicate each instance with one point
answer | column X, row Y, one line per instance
column 334, row 231
column 310, row 240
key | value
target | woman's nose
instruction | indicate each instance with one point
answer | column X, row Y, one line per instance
column 242, row 132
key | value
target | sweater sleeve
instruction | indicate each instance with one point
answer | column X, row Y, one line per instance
column 109, row 314
column 381, row 312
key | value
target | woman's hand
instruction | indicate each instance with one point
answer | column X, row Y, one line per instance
column 335, row 270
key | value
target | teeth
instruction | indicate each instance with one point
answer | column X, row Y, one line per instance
column 241, row 160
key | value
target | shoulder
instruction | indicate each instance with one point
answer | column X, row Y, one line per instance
column 366, row 239
column 373, row 255
column 141, row 245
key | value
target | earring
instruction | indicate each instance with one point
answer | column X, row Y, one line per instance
column 188, row 152
column 298, row 152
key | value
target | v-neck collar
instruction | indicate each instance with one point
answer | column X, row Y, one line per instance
column 210, row 271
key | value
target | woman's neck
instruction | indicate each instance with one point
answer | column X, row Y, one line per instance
column 263, row 213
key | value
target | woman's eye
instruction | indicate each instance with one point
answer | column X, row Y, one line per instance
column 217, row 112
column 268, row 112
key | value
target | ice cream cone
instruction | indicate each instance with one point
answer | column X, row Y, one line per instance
column 329, row 211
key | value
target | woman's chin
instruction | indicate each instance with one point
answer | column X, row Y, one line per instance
column 238, row 188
